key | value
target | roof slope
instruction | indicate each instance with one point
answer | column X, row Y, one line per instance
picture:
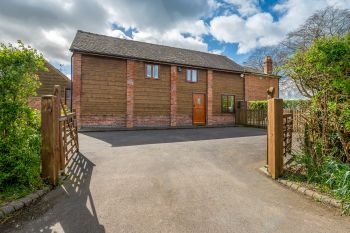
column 50, row 78
column 105, row 45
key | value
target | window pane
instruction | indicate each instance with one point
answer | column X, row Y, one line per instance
column 194, row 75
column 149, row 71
column 188, row 75
column 230, row 103
column 155, row 71
column 224, row 103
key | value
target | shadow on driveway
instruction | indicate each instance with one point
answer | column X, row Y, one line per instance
column 65, row 207
column 142, row 137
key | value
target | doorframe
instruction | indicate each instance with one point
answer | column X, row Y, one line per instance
column 205, row 107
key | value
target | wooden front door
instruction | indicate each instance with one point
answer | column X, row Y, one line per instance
column 199, row 109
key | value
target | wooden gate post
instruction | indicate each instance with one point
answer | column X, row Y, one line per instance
column 59, row 144
column 275, row 137
column 48, row 139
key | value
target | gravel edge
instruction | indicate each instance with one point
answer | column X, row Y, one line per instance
column 297, row 187
column 16, row 205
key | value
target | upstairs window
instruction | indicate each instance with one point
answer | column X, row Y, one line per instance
column 152, row 71
column 191, row 76
column 227, row 103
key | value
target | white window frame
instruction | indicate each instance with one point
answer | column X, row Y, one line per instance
column 192, row 75
column 154, row 71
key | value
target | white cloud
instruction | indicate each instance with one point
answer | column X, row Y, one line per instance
column 258, row 29
column 171, row 38
column 217, row 51
column 50, row 25
column 297, row 11
column 245, row 7
column 116, row 33
column 255, row 31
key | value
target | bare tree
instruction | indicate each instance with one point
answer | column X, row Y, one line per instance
column 256, row 59
column 330, row 21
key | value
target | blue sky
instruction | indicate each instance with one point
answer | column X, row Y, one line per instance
column 234, row 28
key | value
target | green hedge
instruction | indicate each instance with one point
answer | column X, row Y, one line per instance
column 19, row 124
column 287, row 104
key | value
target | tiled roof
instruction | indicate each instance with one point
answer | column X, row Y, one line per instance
column 258, row 72
column 87, row 42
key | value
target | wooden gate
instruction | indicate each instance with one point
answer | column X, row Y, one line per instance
column 279, row 136
column 69, row 137
column 59, row 136
column 287, row 133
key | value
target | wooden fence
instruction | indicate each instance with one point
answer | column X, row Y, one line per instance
column 59, row 136
column 257, row 118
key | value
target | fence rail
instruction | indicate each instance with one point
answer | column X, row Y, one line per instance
column 69, row 137
column 257, row 118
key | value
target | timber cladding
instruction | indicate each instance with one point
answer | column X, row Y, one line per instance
column 49, row 79
column 186, row 89
column 152, row 96
column 103, row 86
column 226, row 83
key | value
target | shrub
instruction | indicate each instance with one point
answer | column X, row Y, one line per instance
column 329, row 174
column 323, row 71
column 19, row 124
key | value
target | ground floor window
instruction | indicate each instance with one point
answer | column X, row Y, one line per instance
column 227, row 103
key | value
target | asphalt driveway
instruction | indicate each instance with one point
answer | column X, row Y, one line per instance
column 186, row 180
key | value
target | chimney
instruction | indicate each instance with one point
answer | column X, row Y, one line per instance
column 268, row 65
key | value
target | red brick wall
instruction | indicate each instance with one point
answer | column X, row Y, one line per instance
column 173, row 97
column 76, row 83
column 35, row 102
column 130, row 78
column 229, row 84
column 228, row 119
column 256, row 87
column 210, row 98
column 115, row 92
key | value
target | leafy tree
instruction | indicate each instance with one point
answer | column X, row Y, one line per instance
column 19, row 124
column 324, row 69
column 330, row 21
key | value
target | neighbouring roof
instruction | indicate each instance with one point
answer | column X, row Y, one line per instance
column 50, row 78
column 256, row 71
column 87, row 42
column 251, row 69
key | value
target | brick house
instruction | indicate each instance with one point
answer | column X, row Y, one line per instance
column 257, row 82
column 125, row 83
column 48, row 80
